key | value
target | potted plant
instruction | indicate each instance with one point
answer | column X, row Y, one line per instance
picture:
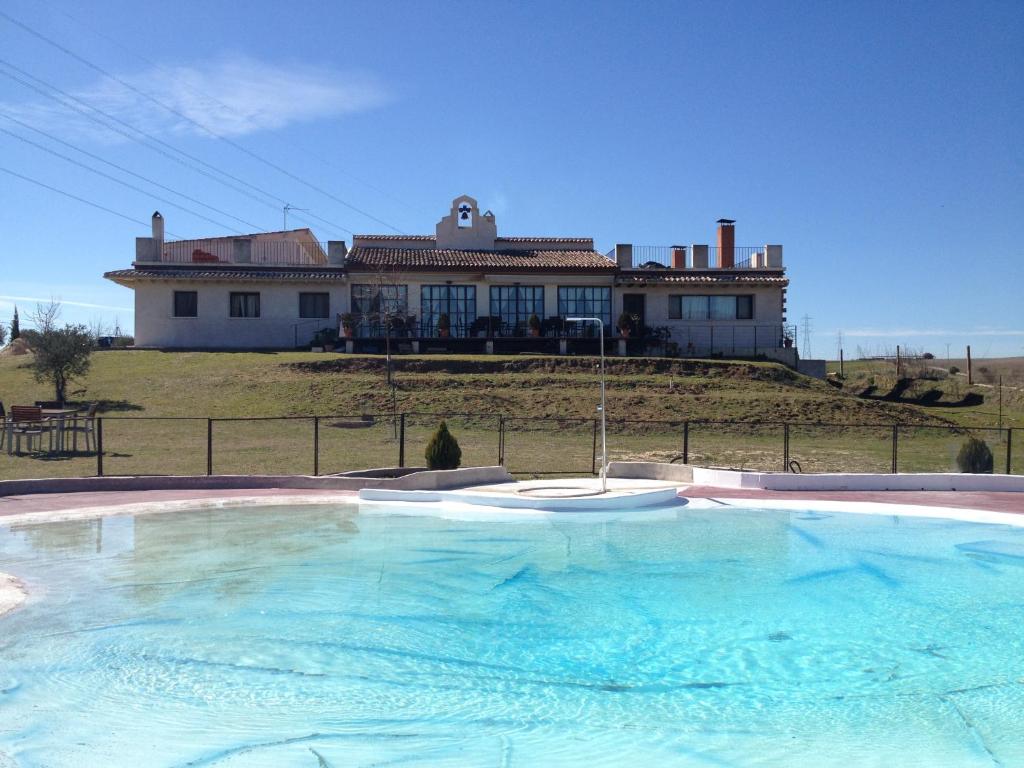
column 330, row 339
column 444, row 325
column 625, row 325
column 787, row 342
column 317, row 343
column 534, row 323
column 348, row 324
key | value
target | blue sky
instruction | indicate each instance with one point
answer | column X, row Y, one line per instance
column 880, row 143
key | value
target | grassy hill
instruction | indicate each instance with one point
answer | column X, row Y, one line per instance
column 547, row 398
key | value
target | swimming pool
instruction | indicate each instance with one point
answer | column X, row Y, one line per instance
column 316, row 636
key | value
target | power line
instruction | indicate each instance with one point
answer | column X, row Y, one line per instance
column 116, row 180
column 50, row 136
column 148, row 140
column 215, row 100
column 183, row 116
column 79, row 199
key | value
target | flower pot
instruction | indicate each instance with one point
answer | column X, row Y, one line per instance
column 442, row 333
column 624, row 332
column 535, row 331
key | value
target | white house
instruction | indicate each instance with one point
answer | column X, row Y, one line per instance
column 464, row 288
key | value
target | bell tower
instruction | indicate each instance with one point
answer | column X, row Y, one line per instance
column 465, row 228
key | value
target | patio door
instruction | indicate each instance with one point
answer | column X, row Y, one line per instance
column 633, row 305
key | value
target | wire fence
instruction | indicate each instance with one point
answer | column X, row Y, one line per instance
column 321, row 445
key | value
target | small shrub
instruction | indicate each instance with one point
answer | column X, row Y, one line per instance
column 443, row 450
column 927, row 356
column 975, row 457
column 954, row 370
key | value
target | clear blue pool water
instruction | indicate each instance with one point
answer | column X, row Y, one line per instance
column 318, row 637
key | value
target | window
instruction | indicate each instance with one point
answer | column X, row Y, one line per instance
column 245, row 305
column 711, row 307
column 515, row 303
column 373, row 304
column 744, row 307
column 314, row 305
column 723, row 307
column 456, row 301
column 695, row 307
column 186, row 304
column 585, row 301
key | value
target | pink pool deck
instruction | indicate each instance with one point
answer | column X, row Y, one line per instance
column 59, row 502
column 989, row 501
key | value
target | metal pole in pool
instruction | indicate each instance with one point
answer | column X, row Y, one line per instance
column 604, row 441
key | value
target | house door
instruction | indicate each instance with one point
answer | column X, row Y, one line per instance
column 633, row 305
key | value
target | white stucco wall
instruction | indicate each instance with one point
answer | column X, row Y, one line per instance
column 726, row 334
column 156, row 326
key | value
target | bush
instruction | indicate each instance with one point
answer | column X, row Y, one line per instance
column 443, row 450
column 927, row 356
column 954, row 370
column 975, row 457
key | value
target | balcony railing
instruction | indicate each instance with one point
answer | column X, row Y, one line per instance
column 644, row 256
column 242, row 250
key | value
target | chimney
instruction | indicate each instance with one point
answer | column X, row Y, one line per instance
column 726, row 243
column 624, row 255
column 678, row 257
column 158, row 226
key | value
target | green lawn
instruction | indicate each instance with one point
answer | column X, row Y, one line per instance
column 548, row 405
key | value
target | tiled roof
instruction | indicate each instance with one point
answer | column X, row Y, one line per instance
column 242, row 275
column 393, row 237
column 709, row 277
column 363, row 258
column 582, row 240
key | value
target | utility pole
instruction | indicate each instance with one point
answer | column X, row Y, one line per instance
column 806, row 346
column 897, row 361
column 970, row 370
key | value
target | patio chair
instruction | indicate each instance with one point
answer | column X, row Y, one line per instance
column 86, row 425
column 27, row 421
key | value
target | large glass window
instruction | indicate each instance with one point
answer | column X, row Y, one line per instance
column 711, row 307
column 245, row 305
column 314, row 305
column 372, row 305
column 186, row 304
column 586, row 301
column 515, row 303
column 456, row 301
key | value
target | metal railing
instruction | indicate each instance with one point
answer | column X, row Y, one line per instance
column 661, row 255
column 244, row 250
column 315, row 445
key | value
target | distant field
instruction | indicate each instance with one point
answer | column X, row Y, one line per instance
column 548, row 403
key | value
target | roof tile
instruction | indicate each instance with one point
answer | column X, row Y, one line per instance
column 363, row 258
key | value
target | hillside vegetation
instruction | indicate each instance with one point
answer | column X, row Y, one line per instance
column 548, row 405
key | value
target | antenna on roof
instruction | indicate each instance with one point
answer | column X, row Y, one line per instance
column 290, row 207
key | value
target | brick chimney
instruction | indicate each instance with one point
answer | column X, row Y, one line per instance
column 726, row 243
column 678, row 257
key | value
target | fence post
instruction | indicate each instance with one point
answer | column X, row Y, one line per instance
column 593, row 455
column 895, row 447
column 785, row 447
column 316, row 446
column 501, row 436
column 209, row 446
column 686, row 442
column 99, row 447
column 401, row 440
column 1009, row 451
